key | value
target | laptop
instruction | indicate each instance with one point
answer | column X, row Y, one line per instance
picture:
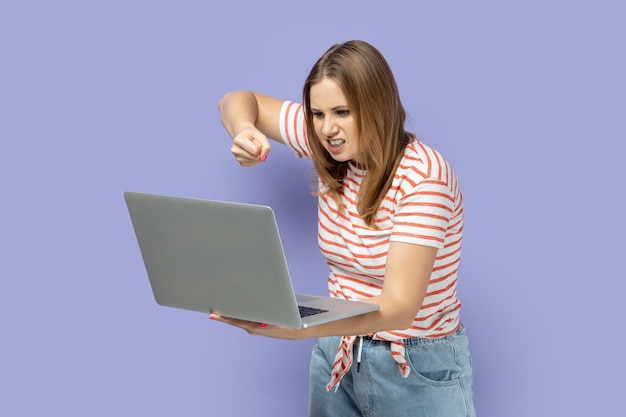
column 203, row 255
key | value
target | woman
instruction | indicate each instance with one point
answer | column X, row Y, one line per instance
column 390, row 225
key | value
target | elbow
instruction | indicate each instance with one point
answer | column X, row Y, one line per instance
column 405, row 322
column 400, row 317
column 236, row 95
column 396, row 321
column 222, row 101
column 396, row 312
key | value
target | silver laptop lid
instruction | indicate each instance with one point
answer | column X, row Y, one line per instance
column 204, row 255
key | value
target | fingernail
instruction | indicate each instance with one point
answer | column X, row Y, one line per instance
column 211, row 317
column 264, row 157
column 264, row 325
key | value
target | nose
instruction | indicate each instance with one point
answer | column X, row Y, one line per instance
column 329, row 128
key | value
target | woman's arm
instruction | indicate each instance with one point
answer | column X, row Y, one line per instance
column 250, row 118
column 407, row 274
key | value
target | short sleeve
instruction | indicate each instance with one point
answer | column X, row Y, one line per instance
column 423, row 214
column 293, row 128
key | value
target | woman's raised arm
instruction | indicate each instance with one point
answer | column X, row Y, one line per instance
column 250, row 118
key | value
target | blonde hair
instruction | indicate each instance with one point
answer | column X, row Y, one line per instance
column 369, row 86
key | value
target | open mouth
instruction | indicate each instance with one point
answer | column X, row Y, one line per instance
column 336, row 142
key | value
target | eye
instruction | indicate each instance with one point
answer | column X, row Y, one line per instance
column 318, row 114
column 343, row 113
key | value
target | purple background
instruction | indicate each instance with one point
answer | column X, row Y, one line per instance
column 525, row 99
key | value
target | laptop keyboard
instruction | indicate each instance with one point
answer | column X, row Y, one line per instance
column 310, row 311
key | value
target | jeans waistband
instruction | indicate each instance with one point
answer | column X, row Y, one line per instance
column 416, row 341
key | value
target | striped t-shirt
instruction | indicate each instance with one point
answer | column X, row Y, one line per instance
column 424, row 206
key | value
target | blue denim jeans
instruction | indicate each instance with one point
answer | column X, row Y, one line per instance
column 439, row 384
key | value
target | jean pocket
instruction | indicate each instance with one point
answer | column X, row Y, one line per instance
column 434, row 363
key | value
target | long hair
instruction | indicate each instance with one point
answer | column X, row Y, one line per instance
column 369, row 86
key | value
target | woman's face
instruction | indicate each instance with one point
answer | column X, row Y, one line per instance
column 333, row 122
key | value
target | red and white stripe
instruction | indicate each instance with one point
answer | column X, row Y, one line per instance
column 423, row 206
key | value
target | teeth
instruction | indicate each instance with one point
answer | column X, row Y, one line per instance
column 336, row 142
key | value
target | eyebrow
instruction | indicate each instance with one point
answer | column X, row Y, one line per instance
column 340, row 107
